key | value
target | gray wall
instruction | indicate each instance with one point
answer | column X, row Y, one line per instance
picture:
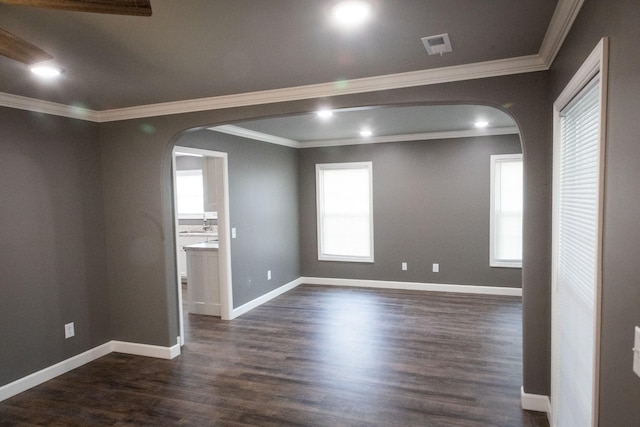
column 139, row 219
column 430, row 205
column 263, row 193
column 52, row 242
column 138, row 223
column 619, row 387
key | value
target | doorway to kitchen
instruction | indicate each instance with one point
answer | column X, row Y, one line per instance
column 201, row 215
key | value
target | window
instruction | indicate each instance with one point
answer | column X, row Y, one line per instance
column 345, row 213
column 190, row 193
column 506, row 211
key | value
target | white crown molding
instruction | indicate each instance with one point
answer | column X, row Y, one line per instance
column 561, row 22
column 46, row 107
column 258, row 136
column 563, row 17
column 479, row 70
column 412, row 137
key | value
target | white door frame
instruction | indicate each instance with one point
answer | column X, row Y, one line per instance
column 224, row 233
column 596, row 64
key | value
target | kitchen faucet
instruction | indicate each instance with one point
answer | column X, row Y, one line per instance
column 205, row 224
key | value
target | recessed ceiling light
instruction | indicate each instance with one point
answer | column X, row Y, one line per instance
column 324, row 113
column 481, row 124
column 366, row 133
column 46, row 71
column 351, row 13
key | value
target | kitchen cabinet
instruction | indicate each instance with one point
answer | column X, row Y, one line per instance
column 203, row 282
column 186, row 240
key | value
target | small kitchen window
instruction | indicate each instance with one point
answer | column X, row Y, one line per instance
column 190, row 193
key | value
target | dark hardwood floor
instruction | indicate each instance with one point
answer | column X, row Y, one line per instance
column 315, row 356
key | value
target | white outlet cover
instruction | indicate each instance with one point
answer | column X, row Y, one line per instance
column 436, row 268
column 636, row 352
column 404, row 266
column 69, row 330
column 268, row 274
column 233, row 233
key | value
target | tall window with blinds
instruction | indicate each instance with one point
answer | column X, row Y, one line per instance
column 576, row 256
column 345, row 213
column 506, row 211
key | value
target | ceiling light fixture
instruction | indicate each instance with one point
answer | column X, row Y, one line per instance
column 46, row 71
column 365, row 133
column 481, row 124
column 350, row 13
column 324, row 113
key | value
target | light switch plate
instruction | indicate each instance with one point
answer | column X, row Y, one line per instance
column 233, row 233
column 636, row 353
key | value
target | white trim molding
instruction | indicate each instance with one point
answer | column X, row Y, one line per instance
column 45, row 107
column 473, row 133
column 257, row 136
column 561, row 21
column 414, row 286
column 146, row 350
column 478, row 70
column 46, row 374
column 535, row 402
column 264, row 298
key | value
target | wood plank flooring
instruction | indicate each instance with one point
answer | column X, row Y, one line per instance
column 315, row 356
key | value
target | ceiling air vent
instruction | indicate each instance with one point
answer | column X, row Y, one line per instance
column 437, row 44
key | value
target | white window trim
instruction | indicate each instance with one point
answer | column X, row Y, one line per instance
column 595, row 64
column 319, row 203
column 493, row 262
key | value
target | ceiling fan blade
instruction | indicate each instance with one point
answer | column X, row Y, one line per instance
column 21, row 50
column 115, row 7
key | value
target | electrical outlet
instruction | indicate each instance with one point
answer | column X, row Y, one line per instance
column 233, row 233
column 404, row 266
column 268, row 274
column 436, row 268
column 636, row 352
column 69, row 330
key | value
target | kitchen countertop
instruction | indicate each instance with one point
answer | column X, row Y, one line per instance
column 202, row 246
column 198, row 234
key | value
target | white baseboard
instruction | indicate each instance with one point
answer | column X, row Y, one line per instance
column 264, row 298
column 46, row 374
column 414, row 286
column 25, row 383
column 147, row 350
column 535, row 402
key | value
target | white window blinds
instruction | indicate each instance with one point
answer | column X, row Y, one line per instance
column 576, row 258
column 345, row 214
column 506, row 210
